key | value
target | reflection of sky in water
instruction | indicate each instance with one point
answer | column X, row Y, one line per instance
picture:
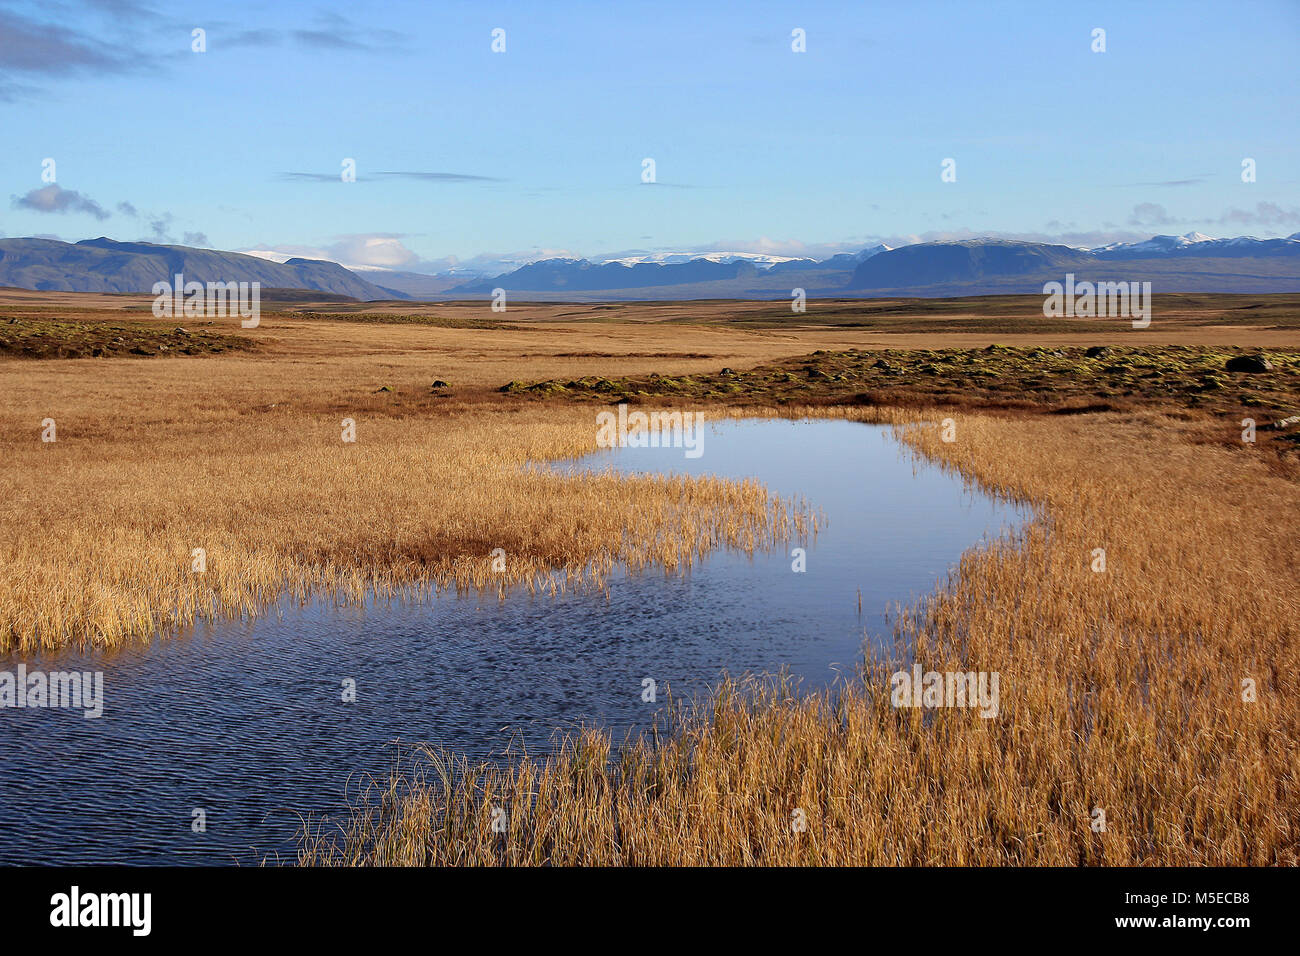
column 245, row 720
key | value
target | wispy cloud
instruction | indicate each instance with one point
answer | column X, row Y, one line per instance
column 1264, row 214
column 250, row 38
column 428, row 177
column 325, row 39
column 92, row 38
column 1170, row 182
column 311, row 177
column 49, row 49
column 328, row 31
column 52, row 43
column 441, row 177
column 1150, row 215
column 54, row 198
column 160, row 225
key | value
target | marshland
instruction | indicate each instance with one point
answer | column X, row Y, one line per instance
column 1160, row 690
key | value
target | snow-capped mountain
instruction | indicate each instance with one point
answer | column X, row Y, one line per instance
column 1197, row 244
column 843, row 260
column 981, row 266
column 1158, row 243
column 757, row 259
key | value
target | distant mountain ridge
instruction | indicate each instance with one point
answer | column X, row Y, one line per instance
column 932, row 262
column 105, row 265
column 583, row 275
column 1190, row 263
column 1195, row 244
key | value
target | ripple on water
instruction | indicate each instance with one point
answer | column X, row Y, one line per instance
column 245, row 719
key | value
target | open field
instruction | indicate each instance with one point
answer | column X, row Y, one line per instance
column 157, row 456
column 1122, row 690
column 537, row 341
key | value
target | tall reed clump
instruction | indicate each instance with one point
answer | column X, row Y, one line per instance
column 100, row 537
column 1148, row 711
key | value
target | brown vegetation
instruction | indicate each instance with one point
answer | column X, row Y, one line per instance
column 101, row 525
column 1121, row 692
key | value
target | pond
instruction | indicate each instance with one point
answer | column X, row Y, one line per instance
column 245, row 720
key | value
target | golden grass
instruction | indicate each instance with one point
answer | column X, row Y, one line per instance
column 309, row 358
column 98, row 540
column 241, row 455
column 1120, row 691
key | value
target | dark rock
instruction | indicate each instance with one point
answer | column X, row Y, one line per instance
column 1248, row 363
column 1096, row 351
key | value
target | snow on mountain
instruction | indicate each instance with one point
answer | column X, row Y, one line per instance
column 1158, row 243
column 1197, row 244
column 484, row 266
column 759, row 260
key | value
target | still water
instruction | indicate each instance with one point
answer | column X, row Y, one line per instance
column 245, row 720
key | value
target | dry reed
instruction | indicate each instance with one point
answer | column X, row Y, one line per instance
column 99, row 534
column 1121, row 692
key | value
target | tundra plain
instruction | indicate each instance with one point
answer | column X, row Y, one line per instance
column 1122, row 691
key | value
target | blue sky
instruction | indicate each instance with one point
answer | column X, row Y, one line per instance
column 540, row 148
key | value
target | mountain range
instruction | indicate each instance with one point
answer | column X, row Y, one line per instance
column 103, row 265
column 1190, row 263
